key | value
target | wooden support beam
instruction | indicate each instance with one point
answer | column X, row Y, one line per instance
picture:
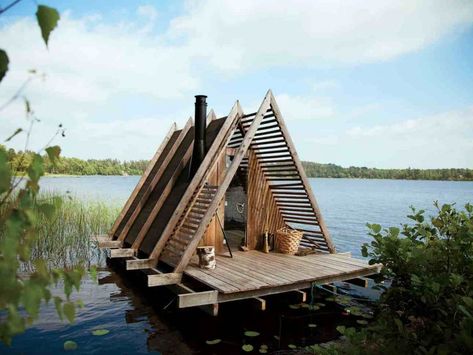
column 302, row 295
column 155, row 180
column 303, row 177
column 258, row 303
column 142, row 179
column 110, row 244
column 122, row 253
column 359, row 281
column 222, row 188
column 104, row 241
column 197, row 299
column 162, row 279
column 140, row 264
column 210, row 309
column 219, row 143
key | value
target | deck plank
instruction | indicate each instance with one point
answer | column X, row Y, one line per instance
column 256, row 271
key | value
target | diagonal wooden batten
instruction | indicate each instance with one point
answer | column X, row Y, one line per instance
column 303, row 177
column 216, row 147
column 222, row 188
column 167, row 190
column 155, row 180
column 142, row 180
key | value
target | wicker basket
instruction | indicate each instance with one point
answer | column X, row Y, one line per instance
column 287, row 240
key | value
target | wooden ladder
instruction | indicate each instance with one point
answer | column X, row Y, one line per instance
column 188, row 225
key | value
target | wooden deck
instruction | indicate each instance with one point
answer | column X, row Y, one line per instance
column 260, row 273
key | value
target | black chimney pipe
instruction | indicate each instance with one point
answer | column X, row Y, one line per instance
column 200, row 123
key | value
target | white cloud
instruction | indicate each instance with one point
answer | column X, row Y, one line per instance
column 247, row 34
column 436, row 141
column 92, row 68
column 305, row 107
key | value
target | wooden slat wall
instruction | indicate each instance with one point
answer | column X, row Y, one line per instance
column 214, row 234
column 263, row 213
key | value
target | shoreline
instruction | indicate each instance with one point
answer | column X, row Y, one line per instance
column 310, row 177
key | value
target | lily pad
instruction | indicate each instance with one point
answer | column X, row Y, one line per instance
column 70, row 345
column 247, row 347
column 294, row 306
column 304, row 305
column 213, row 342
column 264, row 346
column 100, row 332
column 312, row 325
column 362, row 322
column 251, row 333
column 263, row 351
column 292, row 346
column 367, row 315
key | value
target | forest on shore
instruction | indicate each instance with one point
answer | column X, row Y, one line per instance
column 73, row 166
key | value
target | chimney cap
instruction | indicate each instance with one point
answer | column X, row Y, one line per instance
column 200, row 96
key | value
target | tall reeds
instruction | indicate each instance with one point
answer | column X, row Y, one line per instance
column 63, row 240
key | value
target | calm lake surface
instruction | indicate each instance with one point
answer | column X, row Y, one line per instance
column 142, row 320
column 346, row 204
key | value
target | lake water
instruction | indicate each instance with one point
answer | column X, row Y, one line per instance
column 346, row 204
column 143, row 320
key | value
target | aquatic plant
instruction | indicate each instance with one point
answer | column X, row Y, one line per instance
column 429, row 306
column 63, row 239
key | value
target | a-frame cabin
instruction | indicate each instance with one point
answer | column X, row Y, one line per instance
column 178, row 204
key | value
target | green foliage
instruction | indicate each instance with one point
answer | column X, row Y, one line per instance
column 48, row 18
column 73, row 166
column 336, row 171
column 429, row 307
column 22, row 215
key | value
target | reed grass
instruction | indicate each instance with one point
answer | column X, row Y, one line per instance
column 63, row 240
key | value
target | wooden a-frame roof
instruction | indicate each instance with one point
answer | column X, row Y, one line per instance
column 167, row 215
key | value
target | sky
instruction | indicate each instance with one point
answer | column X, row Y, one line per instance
column 385, row 84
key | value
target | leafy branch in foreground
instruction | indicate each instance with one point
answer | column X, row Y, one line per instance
column 429, row 307
column 20, row 214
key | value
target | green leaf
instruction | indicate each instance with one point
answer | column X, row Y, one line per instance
column 247, row 348
column 5, row 172
column 3, row 63
column 53, row 153
column 70, row 345
column 250, row 333
column 18, row 130
column 93, row 273
column 341, row 329
column 36, row 168
column 48, row 18
column 57, row 304
column 69, row 310
column 100, row 332
column 375, row 228
column 213, row 342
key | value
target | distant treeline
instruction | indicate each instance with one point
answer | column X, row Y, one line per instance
column 336, row 171
column 75, row 166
